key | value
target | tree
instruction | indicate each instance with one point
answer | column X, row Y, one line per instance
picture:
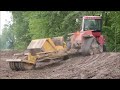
column 7, row 37
column 28, row 25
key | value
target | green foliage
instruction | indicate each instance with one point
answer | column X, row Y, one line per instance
column 7, row 38
column 111, row 29
column 28, row 25
column 20, row 30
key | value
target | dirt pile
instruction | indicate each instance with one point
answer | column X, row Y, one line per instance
column 99, row 66
column 7, row 53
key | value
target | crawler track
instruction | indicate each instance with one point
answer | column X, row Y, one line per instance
column 20, row 66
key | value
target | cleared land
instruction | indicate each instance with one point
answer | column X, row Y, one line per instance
column 99, row 66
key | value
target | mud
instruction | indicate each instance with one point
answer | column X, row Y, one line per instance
column 99, row 66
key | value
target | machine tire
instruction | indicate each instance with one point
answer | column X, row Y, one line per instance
column 104, row 48
column 58, row 41
column 68, row 45
column 65, row 57
column 90, row 47
column 86, row 46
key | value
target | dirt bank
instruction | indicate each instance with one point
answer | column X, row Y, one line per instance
column 99, row 66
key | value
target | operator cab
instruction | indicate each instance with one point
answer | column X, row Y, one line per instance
column 92, row 23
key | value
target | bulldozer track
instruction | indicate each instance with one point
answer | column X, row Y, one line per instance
column 19, row 66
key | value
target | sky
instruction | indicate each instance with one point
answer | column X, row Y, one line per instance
column 5, row 17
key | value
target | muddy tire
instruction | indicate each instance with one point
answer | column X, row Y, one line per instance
column 90, row 47
column 58, row 41
column 104, row 48
column 68, row 45
column 66, row 57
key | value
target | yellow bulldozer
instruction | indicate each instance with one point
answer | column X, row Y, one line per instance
column 39, row 50
column 87, row 41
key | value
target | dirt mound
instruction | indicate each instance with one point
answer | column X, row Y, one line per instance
column 7, row 53
column 99, row 66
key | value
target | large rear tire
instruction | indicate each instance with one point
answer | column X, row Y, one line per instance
column 104, row 48
column 58, row 41
column 68, row 45
column 90, row 46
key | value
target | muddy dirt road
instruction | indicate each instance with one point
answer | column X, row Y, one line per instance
column 99, row 66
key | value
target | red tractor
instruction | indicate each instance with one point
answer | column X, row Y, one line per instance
column 88, row 40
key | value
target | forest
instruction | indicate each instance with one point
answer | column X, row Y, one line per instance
column 29, row 25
